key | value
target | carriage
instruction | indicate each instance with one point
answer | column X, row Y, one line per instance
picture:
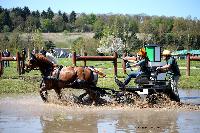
column 154, row 81
column 59, row 77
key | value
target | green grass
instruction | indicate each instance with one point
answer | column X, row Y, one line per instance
column 17, row 86
column 191, row 82
column 183, row 63
column 11, row 82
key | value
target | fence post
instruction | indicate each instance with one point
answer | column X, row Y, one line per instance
column 23, row 62
column 74, row 58
column 1, row 64
column 28, row 54
column 115, row 63
column 124, row 63
column 188, row 65
column 18, row 63
column 85, row 54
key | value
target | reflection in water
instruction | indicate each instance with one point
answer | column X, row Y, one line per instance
column 190, row 96
column 109, row 122
column 11, row 124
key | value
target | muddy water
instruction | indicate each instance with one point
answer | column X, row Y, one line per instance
column 29, row 114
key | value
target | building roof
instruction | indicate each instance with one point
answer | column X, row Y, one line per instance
column 184, row 52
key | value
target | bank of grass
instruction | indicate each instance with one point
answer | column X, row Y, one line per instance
column 17, row 86
column 191, row 82
column 11, row 82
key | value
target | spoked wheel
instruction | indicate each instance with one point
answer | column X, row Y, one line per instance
column 172, row 91
column 174, row 96
column 127, row 97
column 89, row 97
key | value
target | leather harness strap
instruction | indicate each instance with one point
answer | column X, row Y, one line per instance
column 58, row 73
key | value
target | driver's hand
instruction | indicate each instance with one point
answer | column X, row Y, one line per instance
column 128, row 65
column 158, row 68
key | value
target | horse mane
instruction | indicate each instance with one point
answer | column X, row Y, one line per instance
column 43, row 59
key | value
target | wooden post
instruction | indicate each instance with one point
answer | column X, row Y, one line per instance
column 188, row 65
column 74, row 58
column 1, row 64
column 18, row 63
column 115, row 63
column 23, row 62
column 124, row 63
column 28, row 54
column 85, row 54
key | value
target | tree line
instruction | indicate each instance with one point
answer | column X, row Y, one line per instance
column 133, row 31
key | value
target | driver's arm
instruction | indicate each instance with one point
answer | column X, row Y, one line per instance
column 138, row 63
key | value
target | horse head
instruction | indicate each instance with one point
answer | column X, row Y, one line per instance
column 41, row 62
column 32, row 63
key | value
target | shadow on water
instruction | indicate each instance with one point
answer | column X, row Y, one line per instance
column 30, row 114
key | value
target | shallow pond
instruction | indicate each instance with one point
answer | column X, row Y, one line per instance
column 29, row 114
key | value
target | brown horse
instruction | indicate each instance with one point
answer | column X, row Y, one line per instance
column 57, row 77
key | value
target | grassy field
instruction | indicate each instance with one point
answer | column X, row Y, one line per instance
column 61, row 40
column 11, row 82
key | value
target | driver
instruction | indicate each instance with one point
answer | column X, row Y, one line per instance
column 143, row 67
column 172, row 67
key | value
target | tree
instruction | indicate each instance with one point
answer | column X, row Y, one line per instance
column 59, row 13
column 92, row 19
column 65, row 18
column 50, row 13
column 47, row 25
column 98, row 27
column 31, row 24
column 6, row 28
column 146, row 27
column 4, row 41
column 44, row 15
column 25, row 13
column 58, row 23
column 37, row 40
column 49, row 45
column 5, row 20
column 111, row 44
column 15, row 42
column 72, row 17
column 88, row 45
column 35, row 14
column 1, row 9
column 82, row 23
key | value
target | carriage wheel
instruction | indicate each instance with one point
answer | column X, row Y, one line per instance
column 91, row 96
column 173, row 95
column 127, row 97
column 172, row 91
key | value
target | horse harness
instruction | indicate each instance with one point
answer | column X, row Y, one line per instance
column 56, row 77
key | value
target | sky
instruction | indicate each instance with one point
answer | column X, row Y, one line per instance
column 178, row 8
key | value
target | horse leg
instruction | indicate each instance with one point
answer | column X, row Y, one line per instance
column 94, row 96
column 58, row 92
column 44, row 94
column 43, row 91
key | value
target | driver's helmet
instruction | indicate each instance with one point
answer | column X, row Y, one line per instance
column 142, row 52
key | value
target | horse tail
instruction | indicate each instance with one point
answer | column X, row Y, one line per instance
column 97, row 71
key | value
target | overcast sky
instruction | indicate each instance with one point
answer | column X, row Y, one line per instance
column 178, row 8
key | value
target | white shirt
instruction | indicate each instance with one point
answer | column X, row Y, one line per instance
column 51, row 58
